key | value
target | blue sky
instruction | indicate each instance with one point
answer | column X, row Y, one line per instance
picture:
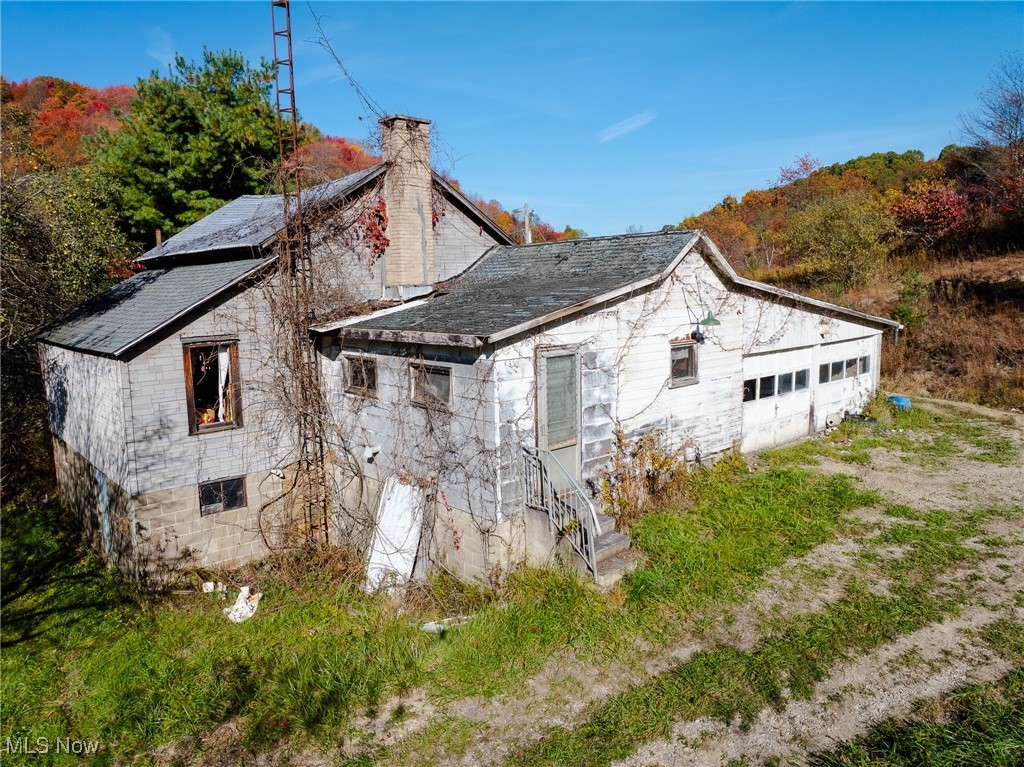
column 600, row 115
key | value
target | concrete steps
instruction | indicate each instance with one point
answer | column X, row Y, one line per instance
column 614, row 557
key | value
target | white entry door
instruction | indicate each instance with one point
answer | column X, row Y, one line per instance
column 558, row 408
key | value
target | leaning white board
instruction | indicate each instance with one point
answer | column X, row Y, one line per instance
column 397, row 534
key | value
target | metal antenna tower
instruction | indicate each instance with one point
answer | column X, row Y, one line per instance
column 296, row 283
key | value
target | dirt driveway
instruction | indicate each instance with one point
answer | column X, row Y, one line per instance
column 978, row 466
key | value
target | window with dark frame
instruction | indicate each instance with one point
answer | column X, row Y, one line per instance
column 750, row 390
column 221, row 495
column 212, row 386
column 767, row 387
column 361, row 375
column 683, row 364
column 800, row 380
column 431, row 385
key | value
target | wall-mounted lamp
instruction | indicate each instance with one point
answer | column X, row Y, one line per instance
column 710, row 321
column 707, row 322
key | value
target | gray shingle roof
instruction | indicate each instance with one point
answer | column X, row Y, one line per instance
column 512, row 285
column 251, row 220
column 114, row 321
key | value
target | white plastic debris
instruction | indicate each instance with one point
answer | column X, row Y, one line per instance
column 209, row 587
column 244, row 607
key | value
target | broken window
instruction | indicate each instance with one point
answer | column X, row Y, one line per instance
column 221, row 495
column 432, row 386
column 684, row 364
column 361, row 375
column 212, row 386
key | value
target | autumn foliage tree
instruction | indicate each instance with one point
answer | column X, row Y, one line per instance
column 325, row 158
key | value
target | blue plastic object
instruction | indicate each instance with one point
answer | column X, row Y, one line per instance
column 901, row 402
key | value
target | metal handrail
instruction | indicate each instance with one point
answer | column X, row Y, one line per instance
column 569, row 510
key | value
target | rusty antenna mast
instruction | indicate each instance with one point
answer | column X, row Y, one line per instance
column 296, row 283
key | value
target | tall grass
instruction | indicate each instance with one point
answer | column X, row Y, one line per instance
column 83, row 658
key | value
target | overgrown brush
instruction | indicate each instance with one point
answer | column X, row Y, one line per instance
column 642, row 469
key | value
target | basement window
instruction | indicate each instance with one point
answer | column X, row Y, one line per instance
column 684, row 364
column 432, row 386
column 361, row 376
column 221, row 495
column 212, row 390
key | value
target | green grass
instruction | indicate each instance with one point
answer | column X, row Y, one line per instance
column 82, row 656
column 739, row 527
column 980, row 726
column 795, row 654
column 922, row 437
column 977, row 726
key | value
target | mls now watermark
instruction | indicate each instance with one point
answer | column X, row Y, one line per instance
column 50, row 746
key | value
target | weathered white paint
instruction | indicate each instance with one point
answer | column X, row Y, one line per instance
column 624, row 347
column 781, row 339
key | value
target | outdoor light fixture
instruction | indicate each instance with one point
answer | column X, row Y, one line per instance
column 710, row 321
column 707, row 322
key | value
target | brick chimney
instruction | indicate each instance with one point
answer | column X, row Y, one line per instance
column 405, row 145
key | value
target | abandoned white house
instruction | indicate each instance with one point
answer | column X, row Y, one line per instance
column 504, row 391
column 492, row 386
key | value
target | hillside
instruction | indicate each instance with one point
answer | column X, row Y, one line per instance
column 936, row 244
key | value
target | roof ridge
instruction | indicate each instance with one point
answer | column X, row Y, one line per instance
column 623, row 236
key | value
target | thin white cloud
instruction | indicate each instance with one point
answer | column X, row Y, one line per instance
column 630, row 124
column 160, row 46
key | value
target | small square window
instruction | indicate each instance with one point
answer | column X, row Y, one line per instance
column 361, row 375
column 851, row 368
column 212, row 386
column 785, row 383
column 432, row 386
column 684, row 364
column 837, row 371
column 823, row 373
column 800, row 380
column 221, row 495
column 750, row 389
column 767, row 387
column 865, row 365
